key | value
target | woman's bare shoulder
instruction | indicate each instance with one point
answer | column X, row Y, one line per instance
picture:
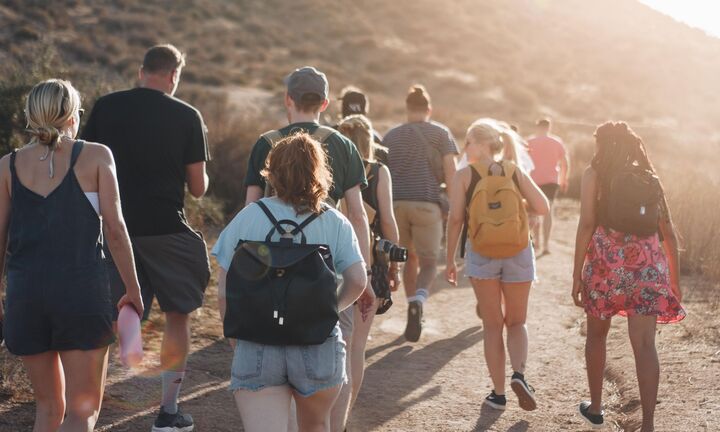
column 98, row 153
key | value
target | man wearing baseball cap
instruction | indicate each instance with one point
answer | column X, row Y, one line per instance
column 306, row 97
column 354, row 101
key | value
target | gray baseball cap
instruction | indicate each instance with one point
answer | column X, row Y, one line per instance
column 307, row 80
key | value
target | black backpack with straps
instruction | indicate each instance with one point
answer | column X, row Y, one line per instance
column 281, row 292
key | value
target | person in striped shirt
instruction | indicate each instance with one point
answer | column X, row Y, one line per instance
column 414, row 149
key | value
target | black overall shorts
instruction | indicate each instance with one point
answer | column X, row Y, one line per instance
column 58, row 297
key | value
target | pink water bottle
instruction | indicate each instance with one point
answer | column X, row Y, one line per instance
column 131, row 351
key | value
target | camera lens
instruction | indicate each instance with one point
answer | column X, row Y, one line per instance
column 398, row 254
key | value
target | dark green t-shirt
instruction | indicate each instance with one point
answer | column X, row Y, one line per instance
column 347, row 167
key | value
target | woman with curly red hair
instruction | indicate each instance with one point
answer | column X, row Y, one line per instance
column 265, row 377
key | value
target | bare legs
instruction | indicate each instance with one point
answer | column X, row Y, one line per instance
column 424, row 278
column 48, row 383
column 410, row 274
column 489, row 294
column 642, row 338
column 176, row 342
column 516, row 303
column 267, row 410
column 361, row 331
column 547, row 229
column 546, row 223
column 69, row 382
column 595, row 343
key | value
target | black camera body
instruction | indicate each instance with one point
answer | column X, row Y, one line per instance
column 389, row 251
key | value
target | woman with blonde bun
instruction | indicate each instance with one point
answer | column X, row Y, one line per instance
column 56, row 196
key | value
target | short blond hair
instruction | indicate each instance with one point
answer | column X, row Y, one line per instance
column 50, row 104
column 163, row 58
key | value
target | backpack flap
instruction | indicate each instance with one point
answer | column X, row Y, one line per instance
column 278, row 255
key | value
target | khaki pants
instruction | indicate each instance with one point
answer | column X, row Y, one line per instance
column 420, row 224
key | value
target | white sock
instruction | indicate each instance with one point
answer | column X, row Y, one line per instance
column 171, row 382
column 422, row 295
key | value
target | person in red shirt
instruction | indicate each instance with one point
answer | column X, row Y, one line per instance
column 552, row 167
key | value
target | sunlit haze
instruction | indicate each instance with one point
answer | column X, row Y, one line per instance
column 702, row 14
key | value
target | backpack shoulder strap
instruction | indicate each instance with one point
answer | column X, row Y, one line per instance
column 475, row 178
column 271, row 217
column 273, row 137
column 308, row 220
column 322, row 133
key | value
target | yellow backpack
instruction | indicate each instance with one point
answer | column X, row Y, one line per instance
column 497, row 218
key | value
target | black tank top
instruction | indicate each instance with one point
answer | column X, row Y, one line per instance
column 55, row 246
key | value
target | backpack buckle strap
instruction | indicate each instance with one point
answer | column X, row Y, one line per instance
column 276, row 225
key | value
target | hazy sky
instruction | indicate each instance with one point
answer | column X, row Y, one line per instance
column 704, row 14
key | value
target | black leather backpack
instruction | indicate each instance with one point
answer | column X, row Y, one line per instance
column 281, row 293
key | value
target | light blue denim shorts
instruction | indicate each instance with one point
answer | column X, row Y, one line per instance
column 307, row 369
column 520, row 268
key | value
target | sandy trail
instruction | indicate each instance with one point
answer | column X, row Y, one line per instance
column 438, row 384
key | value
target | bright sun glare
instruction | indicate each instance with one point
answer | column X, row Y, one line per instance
column 702, row 14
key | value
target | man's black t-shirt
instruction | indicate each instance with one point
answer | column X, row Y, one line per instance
column 153, row 136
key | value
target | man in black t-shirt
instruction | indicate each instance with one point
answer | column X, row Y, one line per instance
column 159, row 144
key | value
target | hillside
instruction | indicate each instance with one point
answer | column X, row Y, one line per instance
column 579, row 61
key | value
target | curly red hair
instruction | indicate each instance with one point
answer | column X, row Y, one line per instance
column 297, row 168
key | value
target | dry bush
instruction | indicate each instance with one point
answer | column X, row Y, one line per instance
column 696, row 219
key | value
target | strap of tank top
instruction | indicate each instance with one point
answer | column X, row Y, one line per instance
column 77, row 148
column 13, row 174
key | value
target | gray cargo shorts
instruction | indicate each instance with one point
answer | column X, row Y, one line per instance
column 174, row 268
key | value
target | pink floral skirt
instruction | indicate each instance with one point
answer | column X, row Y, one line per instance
column 628, row 275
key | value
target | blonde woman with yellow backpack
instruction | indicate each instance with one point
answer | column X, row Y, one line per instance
column 492, row 198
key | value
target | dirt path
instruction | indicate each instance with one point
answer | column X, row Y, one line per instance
column 439, row 383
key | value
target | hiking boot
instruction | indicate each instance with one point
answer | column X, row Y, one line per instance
column 496, row 401
column 177, row 422
column 525, row 392
column 595, row 421
column 414, row 321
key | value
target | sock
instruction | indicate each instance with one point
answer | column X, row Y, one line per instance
column 422, row 295
column 171, row 382
column 412, row 298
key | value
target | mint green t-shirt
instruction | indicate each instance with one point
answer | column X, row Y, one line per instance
column 331, row 228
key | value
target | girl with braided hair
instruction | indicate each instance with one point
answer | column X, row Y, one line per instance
column 621, row 270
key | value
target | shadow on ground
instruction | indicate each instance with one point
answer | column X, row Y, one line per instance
column 391, row 381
